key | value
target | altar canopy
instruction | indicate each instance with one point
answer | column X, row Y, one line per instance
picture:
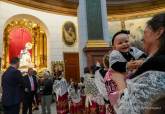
column 18, row 37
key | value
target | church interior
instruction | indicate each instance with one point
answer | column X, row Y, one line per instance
column 68, row 35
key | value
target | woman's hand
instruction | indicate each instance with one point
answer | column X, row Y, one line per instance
column 119, row 79
column 134, row 64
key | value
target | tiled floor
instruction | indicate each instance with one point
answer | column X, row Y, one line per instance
column 53, row 109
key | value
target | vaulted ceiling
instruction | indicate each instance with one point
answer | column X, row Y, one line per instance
column 114, row 7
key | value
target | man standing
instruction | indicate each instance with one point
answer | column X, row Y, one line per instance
column 11, row 88
column 30, row 88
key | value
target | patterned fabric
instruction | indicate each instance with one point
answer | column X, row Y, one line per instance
column 76, row 108
column 62, row 104
column 75, row 97
column 90, row 87
column 140, row 91
column 110, row 109
column 116, row 56
column 99, row 80
column 111, row 88
column 60, row 87
column 109, row 83
column 91, row 109
column 92, row 93
column 102, row 109
column 83, row 102
column 82, row 87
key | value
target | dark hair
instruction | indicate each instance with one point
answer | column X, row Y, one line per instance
column 14, row 60
column 86, row 70
column 119, row 32
column 157, row 107
column 76, row 87
column 81, row 79
column 155, row 23
column 94, row 68
column 106, row 60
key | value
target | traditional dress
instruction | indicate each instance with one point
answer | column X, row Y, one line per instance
column 75, row 106
column 82, row 94
column 99, row 80
column 118, row 62
column 93, row 96
column 145, row 85
column 111, row 87
column 60, row 87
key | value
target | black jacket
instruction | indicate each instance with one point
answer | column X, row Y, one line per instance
column 46, row 87
column 27, row 85
column 12, row 87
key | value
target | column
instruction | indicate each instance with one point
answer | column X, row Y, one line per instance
column 93, row 31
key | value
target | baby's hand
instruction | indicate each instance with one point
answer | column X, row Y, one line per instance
column 139, row 63
column 131, row 65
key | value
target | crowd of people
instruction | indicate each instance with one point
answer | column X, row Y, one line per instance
column 130, row 81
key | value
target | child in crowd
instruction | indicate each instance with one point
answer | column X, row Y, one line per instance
column 74, row 95
column 60, row 87
column 82, row 92
column 124, row 58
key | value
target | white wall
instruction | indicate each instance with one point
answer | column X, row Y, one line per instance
column 53, row 23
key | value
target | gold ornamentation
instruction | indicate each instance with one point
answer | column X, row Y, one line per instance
column 39, row 42
column 97, row 43
column 57, row 66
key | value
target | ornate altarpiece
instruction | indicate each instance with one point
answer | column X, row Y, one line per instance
column 39, row 42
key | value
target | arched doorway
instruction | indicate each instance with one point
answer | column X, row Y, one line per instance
column 21, row 31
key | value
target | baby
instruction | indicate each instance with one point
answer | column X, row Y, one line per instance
column 124, row 58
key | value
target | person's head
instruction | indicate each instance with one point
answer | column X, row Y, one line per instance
column 86, row 70
column 34, row 72
column 75, row 86
column 82, row 79
column 15, row 62
column 106, row 61
column 28, row 46
column 30, row 71
column 59, row 75
column 120, row 41
column 154, row 34
column 46, row 75
column 70, row 30
column 157, row 106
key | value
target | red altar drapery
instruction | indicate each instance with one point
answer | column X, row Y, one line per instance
column 18, row 37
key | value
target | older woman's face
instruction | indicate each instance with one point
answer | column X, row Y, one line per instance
column 149, row 38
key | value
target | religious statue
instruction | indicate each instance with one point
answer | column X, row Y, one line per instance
column 69, row 33
column 25, row 57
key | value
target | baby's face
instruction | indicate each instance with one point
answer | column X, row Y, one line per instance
column 121, row 43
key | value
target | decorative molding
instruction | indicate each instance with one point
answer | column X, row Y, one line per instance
column 58, row 7
column 115, row 8
column 135, row 15
column 97, row 43
column 96, row 54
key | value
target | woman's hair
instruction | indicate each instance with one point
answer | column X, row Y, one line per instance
column 14, row 60
column 156, row 23
column 106, row 60
column 119, row 32
column 46, row 74
column 76, row 87
column 157, row 106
